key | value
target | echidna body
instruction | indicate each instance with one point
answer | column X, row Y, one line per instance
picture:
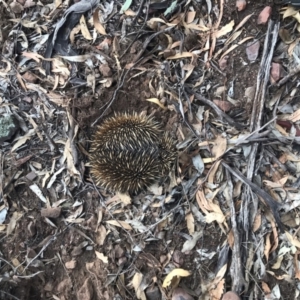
column 129, row 153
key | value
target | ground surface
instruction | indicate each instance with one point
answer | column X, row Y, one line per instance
column 63, row 238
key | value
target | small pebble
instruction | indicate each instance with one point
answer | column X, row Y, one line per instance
column 264, row 15
column 231, row 296
column 241, row 4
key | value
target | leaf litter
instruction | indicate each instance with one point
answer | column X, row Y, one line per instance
column 222, row 79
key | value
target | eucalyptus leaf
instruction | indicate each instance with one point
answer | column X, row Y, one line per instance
column 126, row 5
column 171, row 8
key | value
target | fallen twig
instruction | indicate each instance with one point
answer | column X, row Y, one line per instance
column 238, row 280
column 273, row 205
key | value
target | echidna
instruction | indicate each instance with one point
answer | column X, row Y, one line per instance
column 130, row 152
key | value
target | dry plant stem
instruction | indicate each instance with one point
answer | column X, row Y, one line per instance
column 139, row 12
column 256, row 116
column 215, row 29
column 236, row 269
column 218, row 111
column 141, row 28
column 71, row 134
column 120, row 84
column 148, row 40
column 271, row 203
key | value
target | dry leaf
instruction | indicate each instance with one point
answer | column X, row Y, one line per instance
column 219, row 146
column 230, row 239
column 181, row 55
column 175, row 273
column 278, row 262
column 190, row 16
column 236, row 45
column 296, row 263
column 38, row 192
column 265, row 288
column 217, row 292
column 267, row 247
column 84, row 30
column 211, row 217
column 97, row 24
column 294, row 241
column 257, row 221
column 121, row 224
column 101, row 235
column 190, row 222
column 225, row 29
column 289, row 12
column 156, row 101
column 102, row 257
column 294, row 117
column 13, row 222
column 125, row 198
column 190, row 244
column 136, row 283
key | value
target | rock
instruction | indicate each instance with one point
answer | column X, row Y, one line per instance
column 223, row 105
column 178, row 258
column 252, row 50
column 264, row 15
column 70, row 264
column 31, row 175
column 16, row 7
column 8, row 127
column 181, row 294
column 241, row 4
column 231, row 296
column 51, row 212
column 153, row 293
column 276, row 72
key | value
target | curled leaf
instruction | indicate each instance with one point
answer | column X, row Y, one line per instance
column 175, row 273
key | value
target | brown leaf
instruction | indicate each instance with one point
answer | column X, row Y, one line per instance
column 190, row 223
column 257, row 222
column 13, row 222
column 99, row 27
column 267, row 247
column 265, row 288
column 84, row 30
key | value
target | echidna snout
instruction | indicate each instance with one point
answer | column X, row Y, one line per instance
column 129, row 153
